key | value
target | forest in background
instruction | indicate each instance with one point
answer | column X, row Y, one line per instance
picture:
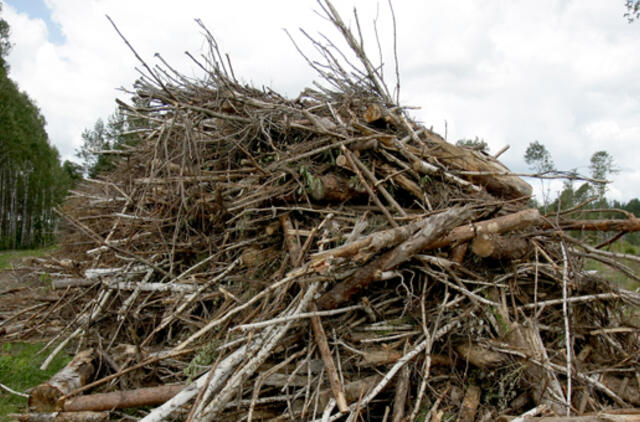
column 32, row 179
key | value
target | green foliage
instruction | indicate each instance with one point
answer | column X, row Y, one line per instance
column 601, row 167
column 538, row 158
column 32, row 180
column 633, row 10
column 5, row 44
column 112, row 135
column 476, row 143
column 205, row 357
column 19, row 370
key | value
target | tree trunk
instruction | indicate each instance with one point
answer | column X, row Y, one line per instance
column 61, row 417
column 500, row 247
column 434, row 228
column 149, row 396
column 76, row 374
column 465, row 159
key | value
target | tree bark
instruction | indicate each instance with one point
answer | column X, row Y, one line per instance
column 516, row 221
column 332, row 373
column 500, row 247
column 434, row 228
column 626, row 225
column 61, row 417
column 458, row 158
column 149, row 396
column 44, row 398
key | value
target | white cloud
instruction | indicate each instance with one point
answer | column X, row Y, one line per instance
column 563, row 72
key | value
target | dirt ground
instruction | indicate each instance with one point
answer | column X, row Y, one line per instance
column 21, row 292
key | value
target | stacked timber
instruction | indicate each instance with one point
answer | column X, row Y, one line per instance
column 328, row 258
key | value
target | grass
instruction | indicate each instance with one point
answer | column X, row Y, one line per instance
column 10, row 257
column 615, row 276
column 19, row 370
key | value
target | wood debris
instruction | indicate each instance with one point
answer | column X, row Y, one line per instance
column 273, row 259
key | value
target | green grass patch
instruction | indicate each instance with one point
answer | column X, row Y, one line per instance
column 11, row 257
column 19, row 370
column 617, row 277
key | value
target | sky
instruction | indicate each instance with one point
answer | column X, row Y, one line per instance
column 562, row 72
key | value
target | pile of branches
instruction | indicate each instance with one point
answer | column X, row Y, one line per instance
column 324, row 258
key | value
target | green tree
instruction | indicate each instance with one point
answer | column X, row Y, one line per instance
column 5, row 44
column 32, row 181
column 115, row 134
column 601, row 167
column 633, row 10
column 539, row 160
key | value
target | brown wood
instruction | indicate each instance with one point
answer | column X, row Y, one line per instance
column 626, row 225
column 61, row 417
column 434, row 228
column 516, row 221
column 63, row 283
column 500, row 247
column 400, row 399
column 545, row 384
column 479, row 356
column 44, row 397
column 122, row 399
column 292, row 243
column 332, row 373
column 455, row 157
column 628, row 390
column 458, row 252
column 598, row 417
column 332, row 188
column 470, row 404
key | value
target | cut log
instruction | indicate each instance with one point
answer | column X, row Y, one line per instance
column 434, row 228
column 500, row 247
column 61, row 417
column 377, row 115
column 459, row 158
column 123, row 399
column 470, row 404
column 63, row 283
column 516, row 221
column 44, row 398
column 631, row 416
column 546, row 387
column 479, row 356
column 627, row 225
column 331, row 188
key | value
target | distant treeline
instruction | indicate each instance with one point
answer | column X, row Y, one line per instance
column 32, row 180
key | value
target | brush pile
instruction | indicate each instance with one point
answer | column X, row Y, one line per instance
column 324, row 258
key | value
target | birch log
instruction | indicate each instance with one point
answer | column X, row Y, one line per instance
column 76, row 374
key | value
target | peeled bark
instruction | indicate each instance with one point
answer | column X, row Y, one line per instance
column 44, row 398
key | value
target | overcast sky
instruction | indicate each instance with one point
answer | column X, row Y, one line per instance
column 563, row 72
